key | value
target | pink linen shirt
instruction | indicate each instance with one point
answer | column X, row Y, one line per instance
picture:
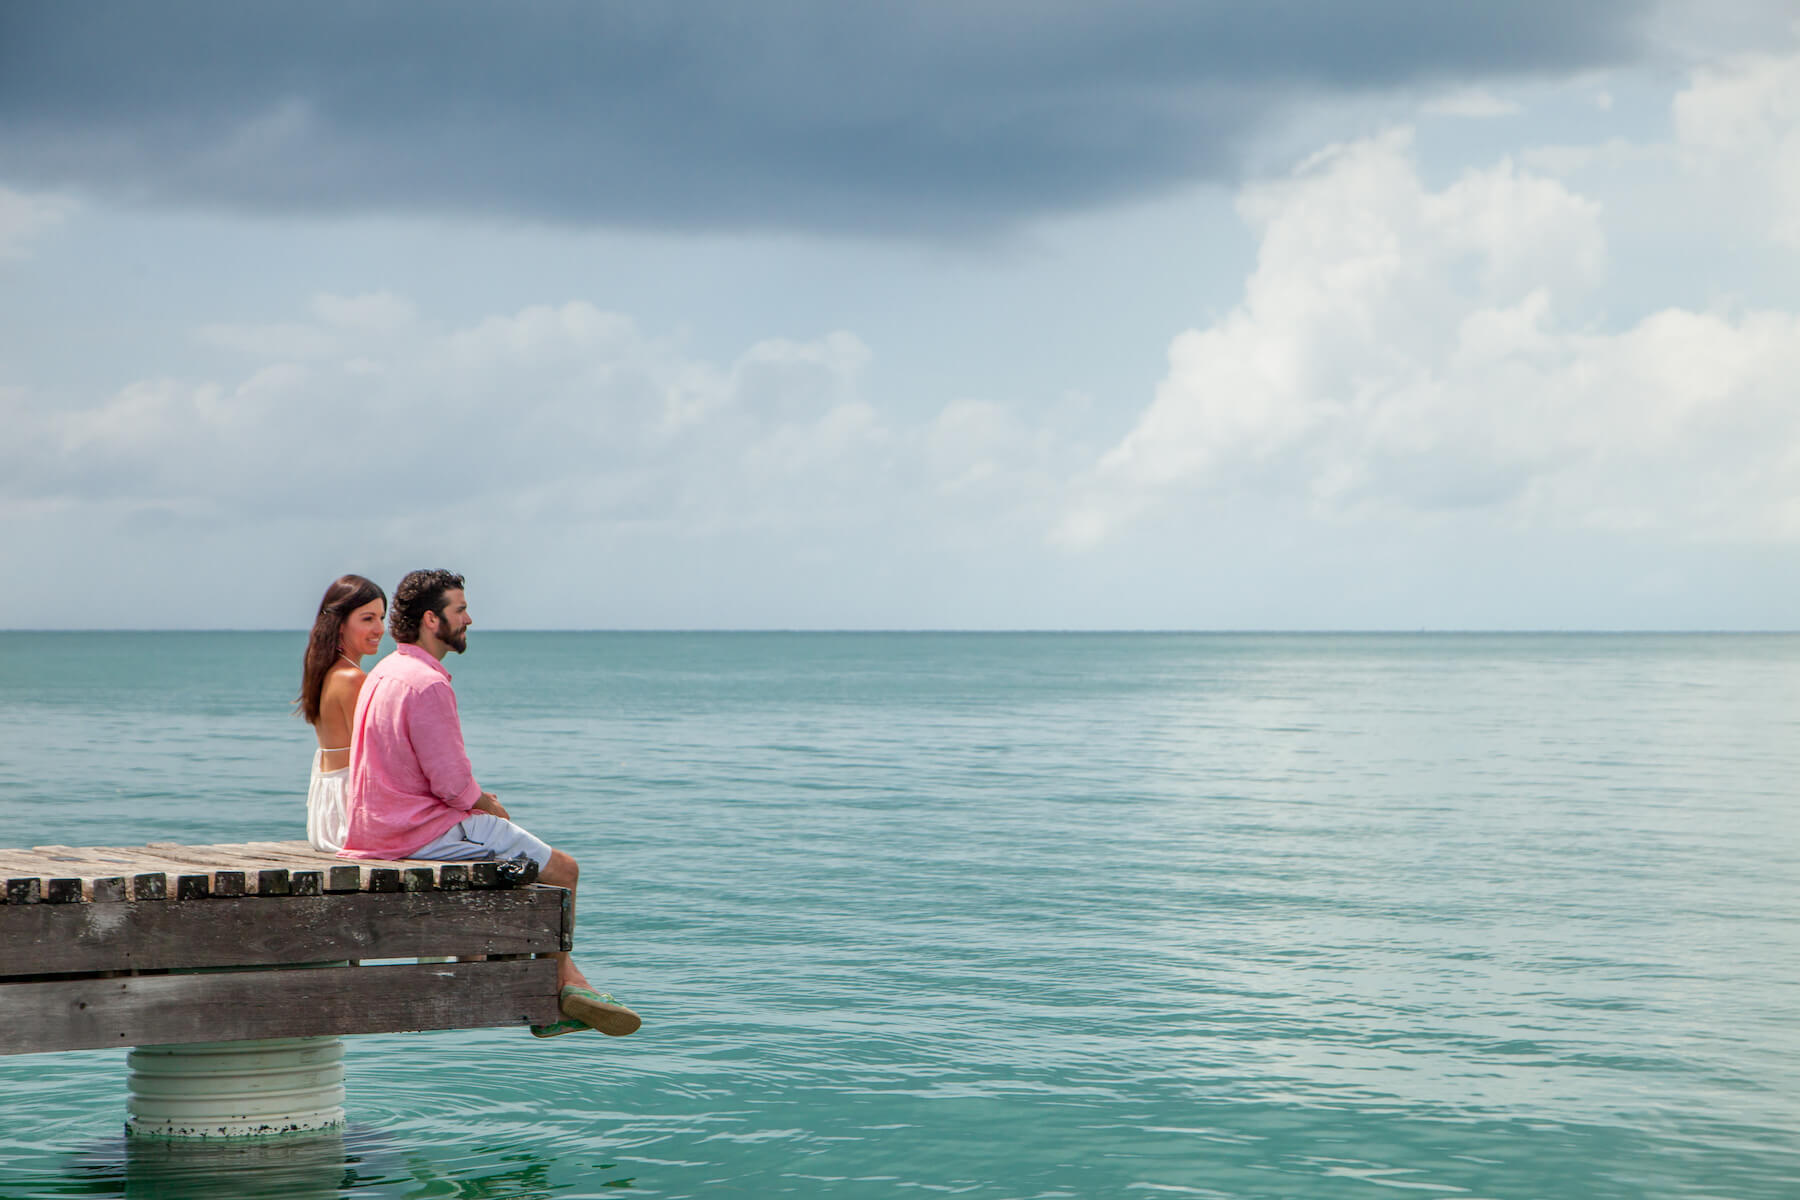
column 410, row 779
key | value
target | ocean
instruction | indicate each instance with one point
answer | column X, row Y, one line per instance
column 1491, row 917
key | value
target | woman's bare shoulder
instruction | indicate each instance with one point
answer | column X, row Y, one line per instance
column 343, row 678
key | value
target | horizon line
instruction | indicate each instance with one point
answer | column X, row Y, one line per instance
column 1321, row 631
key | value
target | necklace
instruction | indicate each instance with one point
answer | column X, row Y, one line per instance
column 349, row 660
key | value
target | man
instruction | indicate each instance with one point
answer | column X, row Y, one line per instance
column 411, row 791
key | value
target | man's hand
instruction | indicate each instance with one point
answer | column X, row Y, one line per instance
column 490, row 804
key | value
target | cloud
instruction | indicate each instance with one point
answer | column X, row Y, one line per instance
column 1472, row 102
column 377, row 314
column 340, row 325
column 1405, row 352
column 23, row 216
column 1737, row 125
column 279, row 339
column 806, row 114
column 549, row 417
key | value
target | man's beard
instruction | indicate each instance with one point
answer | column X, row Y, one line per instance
column 458, row 641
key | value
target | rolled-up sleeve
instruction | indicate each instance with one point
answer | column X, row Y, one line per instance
column 436, row 735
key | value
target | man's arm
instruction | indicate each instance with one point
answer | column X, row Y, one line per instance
column 489, row 804
column 436, row 735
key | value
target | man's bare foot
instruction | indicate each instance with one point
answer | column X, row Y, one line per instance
column 569, row 975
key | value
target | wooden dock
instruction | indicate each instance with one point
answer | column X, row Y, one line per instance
column 166, row 943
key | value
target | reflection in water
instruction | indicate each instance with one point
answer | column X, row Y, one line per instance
column 319, row 1166
column 301, row 1167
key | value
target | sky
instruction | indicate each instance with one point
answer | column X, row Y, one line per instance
column 1298, row 314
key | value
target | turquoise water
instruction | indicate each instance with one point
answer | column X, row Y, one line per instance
column 1028, row 916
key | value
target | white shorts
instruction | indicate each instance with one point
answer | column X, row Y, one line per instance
column 483, row 837
column 327, row 820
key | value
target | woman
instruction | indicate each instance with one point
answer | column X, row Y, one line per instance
column 347, row 630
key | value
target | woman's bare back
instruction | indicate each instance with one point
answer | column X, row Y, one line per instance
column 337, row 708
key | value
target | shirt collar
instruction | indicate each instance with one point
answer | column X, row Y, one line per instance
column 412, row 651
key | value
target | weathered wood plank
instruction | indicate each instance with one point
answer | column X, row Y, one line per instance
column 247, row 857
column 253, row 857
column 86, row 1014
column 345, row 877
column 206, row 858
column 290, row 851
column 44, row 939
column 54, row 862
column 57, row 850
column 219, row 860
column 78, row 860
column 118, row 860
column 299, row 855
column 24, row 862
column 33, row 862
column 229, row 869
column 64, row 891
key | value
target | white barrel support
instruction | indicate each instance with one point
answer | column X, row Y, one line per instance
column 236, row 1089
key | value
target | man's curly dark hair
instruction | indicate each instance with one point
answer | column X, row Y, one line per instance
column 419, row 593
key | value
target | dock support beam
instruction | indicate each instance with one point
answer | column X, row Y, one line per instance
column 208, row 1090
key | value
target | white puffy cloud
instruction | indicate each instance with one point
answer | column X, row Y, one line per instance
column 1402, row 349
column 1433, row 362
column 562, row 414
column 1737, row 125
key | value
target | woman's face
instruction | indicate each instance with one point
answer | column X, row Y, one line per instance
column 362, row 629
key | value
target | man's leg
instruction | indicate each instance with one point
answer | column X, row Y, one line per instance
column 484, row 836
column 584, row 1004
column 563, row 871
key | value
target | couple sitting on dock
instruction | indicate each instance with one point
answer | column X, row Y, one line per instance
column 391, row 779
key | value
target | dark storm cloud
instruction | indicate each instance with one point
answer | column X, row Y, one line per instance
column 844, row 114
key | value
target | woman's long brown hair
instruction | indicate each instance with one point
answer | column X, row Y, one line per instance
column 342, row 598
